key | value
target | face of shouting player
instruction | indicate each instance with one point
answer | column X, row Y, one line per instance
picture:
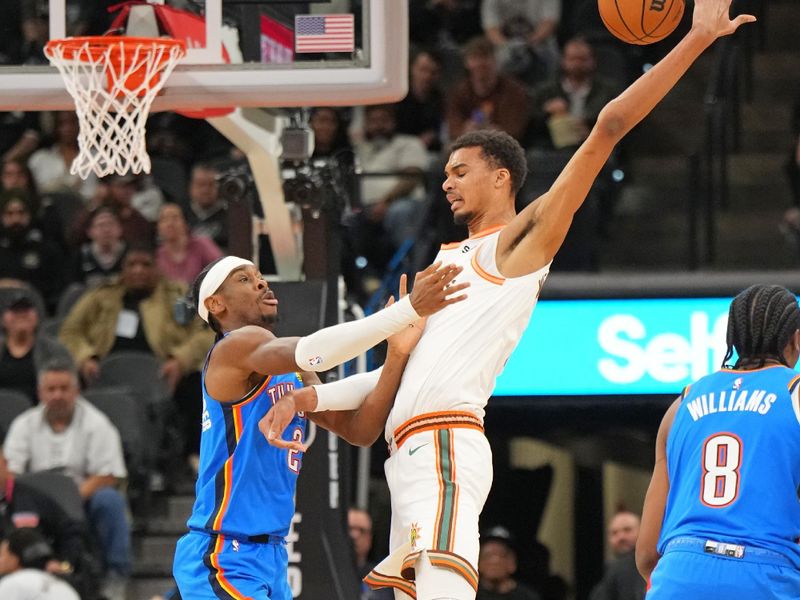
column 247, row 299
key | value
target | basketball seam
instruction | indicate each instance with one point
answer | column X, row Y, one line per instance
column 619, row 34
column 622, row 18
column 660, row 23
column 669, row 12
column 641, row 21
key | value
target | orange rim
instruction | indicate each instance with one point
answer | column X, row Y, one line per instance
column 97, row 46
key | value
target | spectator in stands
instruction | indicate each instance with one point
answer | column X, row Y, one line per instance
column 621, row 580
column 623, row 531
column 24, row 348
column 444, row 24
column 565, row 109
column 524, row 32
column 207, row 211
column 20, row 134
column 24, row 557
column 16, row 175
column 486, row 98
column 67, row 432
column 421, row 112
column 181, row 256
column 147, row 198
column 118, row 192
column 100, row 258
column 25, row 253
column 23, row 505
column 497, row 563
column 51, row 165
column 135, row 312
column 391, row 203
column 330, row 133
column 35, row 33
column 359, row 526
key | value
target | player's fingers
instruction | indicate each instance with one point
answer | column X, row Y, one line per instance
column 451, row 272
column 403, row 285
column 276, row 429
column 453, row 289
column 741, row 20
column 429, row 270
column 265, row 423
column 390, row 301
column 279, row 442
column 452, row 300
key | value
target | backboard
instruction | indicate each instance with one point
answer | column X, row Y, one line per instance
column 281, row 53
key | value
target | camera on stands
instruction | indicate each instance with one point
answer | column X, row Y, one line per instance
column 236, row 182
column 315, row 184
column 318, row 185
column 297, row 143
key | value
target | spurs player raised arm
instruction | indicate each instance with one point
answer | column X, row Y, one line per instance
column 439, row 471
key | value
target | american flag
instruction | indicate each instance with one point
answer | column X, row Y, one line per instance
column 324, row 33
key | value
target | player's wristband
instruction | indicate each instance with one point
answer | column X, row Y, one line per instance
column 348, row 393
column 334, row 345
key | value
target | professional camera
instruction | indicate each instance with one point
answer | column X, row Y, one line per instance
column 320, row 185
column 236, row 182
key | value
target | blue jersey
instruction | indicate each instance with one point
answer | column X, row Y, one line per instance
column 733, row 459
column 246, row 487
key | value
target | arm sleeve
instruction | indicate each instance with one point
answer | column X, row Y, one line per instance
column 332, row 346
column 348, row 393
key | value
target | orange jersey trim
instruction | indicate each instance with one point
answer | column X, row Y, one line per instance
column 485, row 232
column 764, row 368
column 236, row 411
column 220, row 574
column 480, row 234
column 488, row 277
column 793, row 382
column 226, row 494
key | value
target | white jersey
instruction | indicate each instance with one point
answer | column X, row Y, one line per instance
column 465, row 346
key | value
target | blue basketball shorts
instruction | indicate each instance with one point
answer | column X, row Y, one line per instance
column 686, row 570
column 217, row 567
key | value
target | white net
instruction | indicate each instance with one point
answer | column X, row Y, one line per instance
column 113, row 82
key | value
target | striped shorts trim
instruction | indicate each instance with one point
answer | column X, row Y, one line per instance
column 376, row 580
column 435, row 421
column 444, row 560
column 222, row 588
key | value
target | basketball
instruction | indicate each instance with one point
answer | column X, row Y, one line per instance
column 641, row 21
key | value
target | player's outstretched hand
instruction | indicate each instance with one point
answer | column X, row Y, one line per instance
column 434, row 288
column 274, row 423
column 406, row 340
column 712, row 17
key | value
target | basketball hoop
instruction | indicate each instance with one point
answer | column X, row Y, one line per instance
column 113, row 81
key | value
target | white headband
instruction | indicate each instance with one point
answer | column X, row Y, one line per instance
column 214, row 279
